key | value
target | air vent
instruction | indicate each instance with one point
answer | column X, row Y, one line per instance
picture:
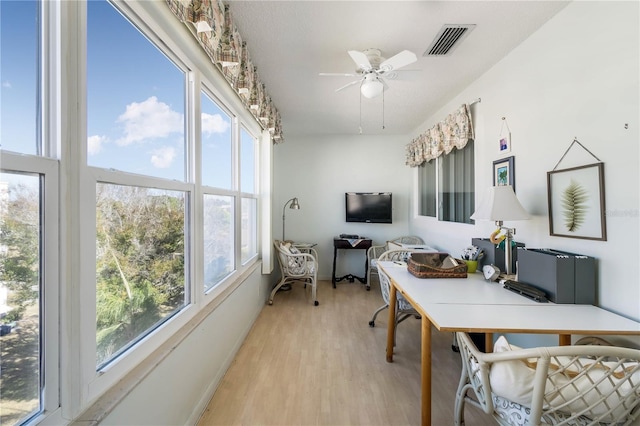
column 448, row 37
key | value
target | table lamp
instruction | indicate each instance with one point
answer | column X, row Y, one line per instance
column 499, row 204
column 294, row 205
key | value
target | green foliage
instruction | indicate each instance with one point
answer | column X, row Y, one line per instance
column 20, row 240
column 139, row 263
column 574, row 207
column 502, row 175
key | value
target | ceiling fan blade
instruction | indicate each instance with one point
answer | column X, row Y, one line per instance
column 337, row 74
column 400, row 60
column 347, row 85
column 360, row 59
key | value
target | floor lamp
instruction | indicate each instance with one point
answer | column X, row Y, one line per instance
column 500, row 204
column 294, row 205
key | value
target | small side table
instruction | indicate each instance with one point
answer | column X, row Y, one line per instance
column 350, row 244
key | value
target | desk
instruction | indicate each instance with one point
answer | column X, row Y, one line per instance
column 346, row 244
column 475, row 305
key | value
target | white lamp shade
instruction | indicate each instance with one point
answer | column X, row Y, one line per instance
column 371, row 88
column 499, row 204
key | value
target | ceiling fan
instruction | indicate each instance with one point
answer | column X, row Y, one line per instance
column 372, row 69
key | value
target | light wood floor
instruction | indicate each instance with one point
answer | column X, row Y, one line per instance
column 324, row 365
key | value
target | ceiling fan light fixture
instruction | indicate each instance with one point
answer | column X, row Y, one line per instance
column 371, row 88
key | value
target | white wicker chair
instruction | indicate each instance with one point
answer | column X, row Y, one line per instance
column 296, row 265
column 404, row 309
column 374, row 252
column 559, row 385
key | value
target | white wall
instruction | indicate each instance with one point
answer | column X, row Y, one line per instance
column 319, row 171
column 577, row 77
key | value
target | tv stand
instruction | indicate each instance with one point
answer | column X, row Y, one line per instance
column 346, row 244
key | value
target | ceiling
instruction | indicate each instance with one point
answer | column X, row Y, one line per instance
column 291, row 42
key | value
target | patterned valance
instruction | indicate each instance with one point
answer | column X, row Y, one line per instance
column 215, row 31
column 453, row 132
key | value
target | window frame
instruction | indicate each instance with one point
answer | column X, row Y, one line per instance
column 47, row 169
column 46, row 164
column 71, row 381
column 96, row 382
column 456, row 180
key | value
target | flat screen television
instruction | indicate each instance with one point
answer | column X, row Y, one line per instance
column 368, row 207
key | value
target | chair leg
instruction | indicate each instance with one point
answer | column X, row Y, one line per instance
column 372, row 323
column 458, row 411
column 313, row 291
column 275, row 290
column 454, row 344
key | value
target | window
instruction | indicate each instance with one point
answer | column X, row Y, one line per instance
column 218, row 246
column 136, row 121
column 217, row 165
column 427, row 185
column 456, row 185
column 217, row 145
column 140, row 254
column 20, row 323
column 135, row 99
column 29, row 311
column 452, row 191
column 249, row 214
column 20, row 118
column 156, row 214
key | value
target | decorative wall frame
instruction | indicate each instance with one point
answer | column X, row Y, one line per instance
column 504, row 138
column 504, row 172
column 577, row 203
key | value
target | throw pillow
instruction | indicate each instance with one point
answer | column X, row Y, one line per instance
column 513, row 380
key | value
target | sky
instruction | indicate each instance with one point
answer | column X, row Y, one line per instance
column 135, row 98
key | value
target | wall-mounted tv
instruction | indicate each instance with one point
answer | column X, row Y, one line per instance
column 368, row 207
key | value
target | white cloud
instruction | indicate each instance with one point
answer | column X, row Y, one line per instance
column 94, row 144
column 163, row 157
column 214, row 124
column 149, row 119
column 7, row 84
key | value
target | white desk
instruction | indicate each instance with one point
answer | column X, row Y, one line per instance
column 475, row 305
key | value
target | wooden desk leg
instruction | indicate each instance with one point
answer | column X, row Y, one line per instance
column 391, row 329
column 488, row 342
column 564, row 340
column 426, row 371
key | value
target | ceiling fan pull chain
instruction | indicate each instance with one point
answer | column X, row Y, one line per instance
column 383, row 110
column 360, row 124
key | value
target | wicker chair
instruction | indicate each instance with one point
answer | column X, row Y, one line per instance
column 404, row 309
column 559, row 385
column 374, row 252
column 296, row 265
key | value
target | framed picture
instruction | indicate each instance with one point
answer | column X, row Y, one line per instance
column 576, row 202
column 505, row 142
column 504, row 172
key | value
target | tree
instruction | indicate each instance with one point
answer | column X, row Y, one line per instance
column 139, row 263
column 19, row 248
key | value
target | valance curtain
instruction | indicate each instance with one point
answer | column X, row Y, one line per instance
column 453, row 132
column 221, row 41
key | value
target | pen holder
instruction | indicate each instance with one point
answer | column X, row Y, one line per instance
column 472, row 265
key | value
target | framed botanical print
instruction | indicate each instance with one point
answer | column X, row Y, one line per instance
column 576, row 202
column 504, row 172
